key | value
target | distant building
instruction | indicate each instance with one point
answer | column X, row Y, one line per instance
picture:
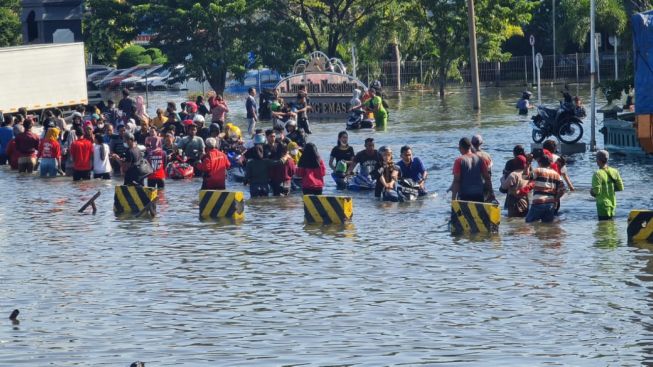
column 51, row 21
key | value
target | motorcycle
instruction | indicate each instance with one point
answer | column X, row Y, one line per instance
column 359, row 120
column 561, row 122
column 179, row 168
column 236, row 171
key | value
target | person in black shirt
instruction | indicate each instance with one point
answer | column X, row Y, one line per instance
column 201, row 107
column 127, row 105
column 342, row 156
column 272, row 148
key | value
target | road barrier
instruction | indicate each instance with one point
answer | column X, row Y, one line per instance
column 328, row 209
column 134, row 200
column 640, row 225
column 474, row 217
column 222, row 204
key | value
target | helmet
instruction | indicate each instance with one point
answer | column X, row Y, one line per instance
column 198, row 119
column 259, row 139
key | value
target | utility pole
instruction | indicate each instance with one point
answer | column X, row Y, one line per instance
column 593, row 73
column 554, row 40
column 471, row 22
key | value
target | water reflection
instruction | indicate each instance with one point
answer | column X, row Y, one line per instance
column 392, row 287
column 606, row 234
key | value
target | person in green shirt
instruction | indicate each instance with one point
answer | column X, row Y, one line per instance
column 375, row 104
column 605, row 182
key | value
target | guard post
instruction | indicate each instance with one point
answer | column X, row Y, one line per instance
column 216, row 204
column 134, row 200
column 474, row 217
column 328, row 209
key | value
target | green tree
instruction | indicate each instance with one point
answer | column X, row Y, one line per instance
column 326, row 23
column 107, row 27
column 213, row 37
column 611, row 18
column 133, row 55
column 9, row 23
column 446, row 21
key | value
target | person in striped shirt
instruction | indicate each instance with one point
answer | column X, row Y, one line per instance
column 547, row 189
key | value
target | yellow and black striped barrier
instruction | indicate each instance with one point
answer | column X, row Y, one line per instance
column 133, row 200
column 640, row 225
column 474, row 217
column 328, row 209
column 222, row 204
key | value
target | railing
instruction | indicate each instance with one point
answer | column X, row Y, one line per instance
column 570, row 68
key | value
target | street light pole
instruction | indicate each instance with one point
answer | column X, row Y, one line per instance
column 471, row 23
column 554, row 39
column 593, row 73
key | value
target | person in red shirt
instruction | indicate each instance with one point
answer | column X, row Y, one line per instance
column 214, row 164
column 81, row 151
column 281, row 173
column 50, row 153
column 27, row 144
column 312, row 170
column 157, row 159
column 471, row 177
column 11, row 151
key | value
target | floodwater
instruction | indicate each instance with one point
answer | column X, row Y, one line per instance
column 391, row 288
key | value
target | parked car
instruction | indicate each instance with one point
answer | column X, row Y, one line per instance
column 167, row 79
column 98, row 75
column 268, row 79
column 94, row 94
column 130, row 82
column 114, row 82
column 104, row 81
column 90, row 69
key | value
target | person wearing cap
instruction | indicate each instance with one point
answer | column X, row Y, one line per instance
column 127, row 105
column 515, row 186
column 295, row 134
column 477, row 141
column 605, row 182
column 81, row 152
column 214, row 164
column 548, row 188
column 523, row 105
column 471, row 177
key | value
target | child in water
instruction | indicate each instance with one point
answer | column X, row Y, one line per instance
column 523, row 105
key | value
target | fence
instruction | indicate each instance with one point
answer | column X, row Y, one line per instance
column 571, row 68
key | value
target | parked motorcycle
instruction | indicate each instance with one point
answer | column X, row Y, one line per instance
column 562, row 122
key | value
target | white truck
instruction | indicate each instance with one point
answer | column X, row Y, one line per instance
column 42, row 76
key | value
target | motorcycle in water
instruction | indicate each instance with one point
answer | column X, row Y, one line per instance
column 236, row 171
column 359, row 120
column 179, row 168
column 562, row 122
